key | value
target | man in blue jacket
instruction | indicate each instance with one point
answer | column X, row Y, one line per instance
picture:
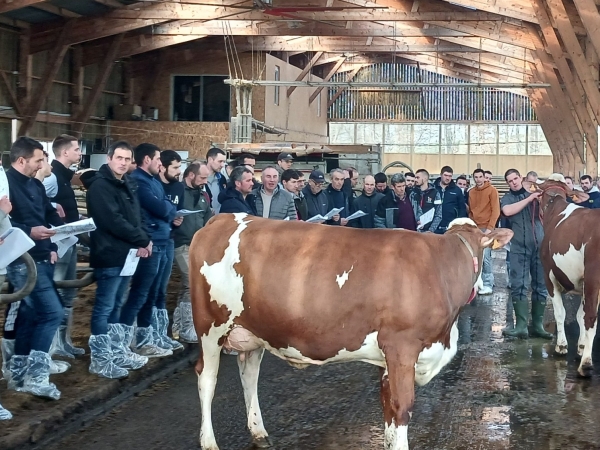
column 453, row 201
column 158, row 213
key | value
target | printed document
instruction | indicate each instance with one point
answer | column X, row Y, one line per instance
column 73, row 228
column 131, row 263
column 426, row 218
column 16, row 242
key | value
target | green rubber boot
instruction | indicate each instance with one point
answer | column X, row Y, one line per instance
column 537, row 321
column 521, row 314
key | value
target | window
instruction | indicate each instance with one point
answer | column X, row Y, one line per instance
column 319, row 105
column 201, row 99
column 277, row 78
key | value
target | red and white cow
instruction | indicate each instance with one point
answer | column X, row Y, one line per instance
column 314, row 294
column 571, row 259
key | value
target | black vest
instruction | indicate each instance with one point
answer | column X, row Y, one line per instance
column 65, row 196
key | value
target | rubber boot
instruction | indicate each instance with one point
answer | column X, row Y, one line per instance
column 510, row 319
column 102, row 358
column 37, row 378
column 62, row 345
column 521, row 314
column 8, row 350
column 537, row 321
column 120, row 339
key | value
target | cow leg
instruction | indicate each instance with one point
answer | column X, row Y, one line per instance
column 580, row 321
column 397, row 398
column 559, row 314
column 207, row 369
column 591, row 289
column 249, row 371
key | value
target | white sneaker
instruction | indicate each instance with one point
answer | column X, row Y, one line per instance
column 485, row 290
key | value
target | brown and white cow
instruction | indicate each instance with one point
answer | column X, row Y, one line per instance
column 314, row 294
column 570, row 255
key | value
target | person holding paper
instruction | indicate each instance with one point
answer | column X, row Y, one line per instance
column 317, row 201
column 338, row 198
column 157, row 215
column 425, row 197
column 367, row 202
column 40, row 313
column 395, row 209
column 484, row 210
column 195, row 198
column 66, row 154
column 112, row 203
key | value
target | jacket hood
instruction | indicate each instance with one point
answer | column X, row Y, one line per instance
column 593, row 189
column 103, row 172
column 486, row 185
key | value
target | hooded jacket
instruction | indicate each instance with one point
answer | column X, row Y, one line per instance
column 484, row 206
column 65, row 196
column 232, row 201
column 425, row 200
column 316, row 204
column 282, row 204
column 115, row 208
column 157, row 211
column 368, row 205
column 594, row 201
column 453, row 205
column 194, row 199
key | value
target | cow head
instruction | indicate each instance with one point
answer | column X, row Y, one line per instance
column 552, row 189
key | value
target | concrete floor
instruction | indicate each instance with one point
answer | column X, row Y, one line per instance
column 495, row 394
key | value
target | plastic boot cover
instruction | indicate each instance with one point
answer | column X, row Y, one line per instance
column 37, row 378
column 17, row 368
column 62, row 344
column 187, row 332
column 162, row 316
column 120, row 340
column 5, row 414
column 144, row 344
column 102, row 358
column 157, row 337
column 58, row 367
column 8, row 350
column 176, row 323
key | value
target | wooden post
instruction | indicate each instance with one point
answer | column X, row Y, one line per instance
column 349, row 78
column 77, row 75
column 25, row 65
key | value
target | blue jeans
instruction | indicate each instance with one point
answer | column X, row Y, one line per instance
column 141, row 283
column 110, row 295
column 158, row 292
column 40, row 313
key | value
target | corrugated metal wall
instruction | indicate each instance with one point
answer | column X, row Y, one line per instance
column 424, row 104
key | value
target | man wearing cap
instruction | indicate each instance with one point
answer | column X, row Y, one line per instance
column 316, row 199
column 284, row 162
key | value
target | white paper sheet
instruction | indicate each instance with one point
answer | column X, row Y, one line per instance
column 73, row 228
column 185, row 212
column 316, row 219
column 16, row 242
column 131, row 263
column 65, row 244
column 332, row 213
column 356, row 215
column 426, row 218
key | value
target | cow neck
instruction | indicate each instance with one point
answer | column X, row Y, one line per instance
column 475, row 258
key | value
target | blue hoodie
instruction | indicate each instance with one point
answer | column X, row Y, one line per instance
column 157, row 211
column 453, row 205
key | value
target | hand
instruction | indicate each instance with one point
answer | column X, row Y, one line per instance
column 344, row 222
column 60, row 211
column 142, row 253
column 177, row 221
column 149, row 249
column 418, row 222
column 41, row 233
column 53, row 257
column 5, row 204
column 336, row 217
column 535, row 196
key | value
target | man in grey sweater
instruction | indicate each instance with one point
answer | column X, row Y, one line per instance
column 273, row 202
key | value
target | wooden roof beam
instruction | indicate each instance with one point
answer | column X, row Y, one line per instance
column 349, row 78
column 330, row 74
column 305, row 71
column 50, row 8
column 588, row 11
column 11, row 5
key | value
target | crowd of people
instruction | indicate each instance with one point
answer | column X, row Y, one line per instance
column 146, row 211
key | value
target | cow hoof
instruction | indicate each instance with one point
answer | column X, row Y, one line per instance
column 585, row 371
column 561, row 349
column 262, row 442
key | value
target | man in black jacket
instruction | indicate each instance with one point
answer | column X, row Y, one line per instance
column 317, row 201
column 338, row 198
column 113, row 204
column 66, row 153
column 41, row 312
column 237, row 198
column 453, row 203
column 195, row 198
column 289, row 180
column 367, row 202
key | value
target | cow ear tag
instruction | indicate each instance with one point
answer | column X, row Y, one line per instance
column 496, row 245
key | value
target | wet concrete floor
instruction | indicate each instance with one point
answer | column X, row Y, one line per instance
column 495, row 394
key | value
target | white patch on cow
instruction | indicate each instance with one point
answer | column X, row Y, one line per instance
column 396, row 437
column 571, row 264
column 581, row 322
column 479, row 283
column 461, row 221
column 368, row 352
column 249, row 370
column 341, row 279
column 559, row 314
column 586, row 355
column 433, row 359
column 226, row 288
column 555, row 177
column 567, row 212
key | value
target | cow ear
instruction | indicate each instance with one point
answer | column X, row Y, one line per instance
column 497, row 238
column 578, row 197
